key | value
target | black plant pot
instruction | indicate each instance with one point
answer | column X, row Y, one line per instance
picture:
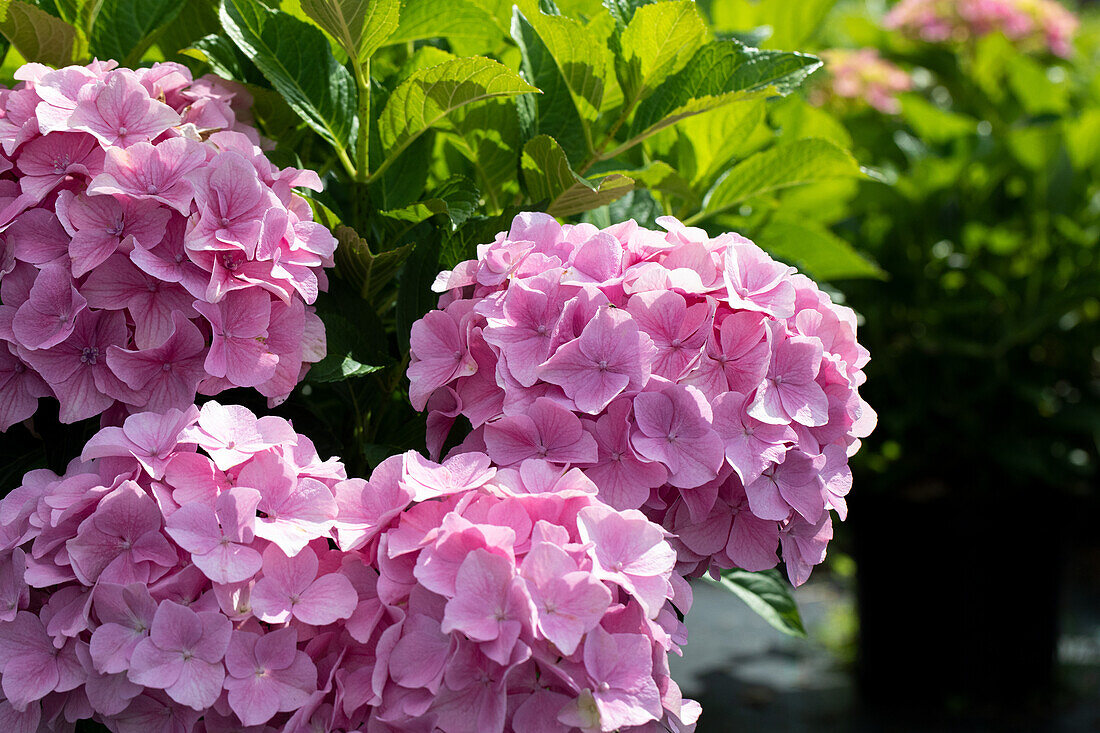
column 958, row 597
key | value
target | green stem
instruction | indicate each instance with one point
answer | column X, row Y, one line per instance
column 362, row 147
column 348, row 165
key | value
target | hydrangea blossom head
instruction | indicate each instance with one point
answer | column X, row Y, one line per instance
column 150, row 251
column 183, row 560
column 692, row 378
column 863, row 76
column 1031, row 24
column 208, row 571
column 515, row 599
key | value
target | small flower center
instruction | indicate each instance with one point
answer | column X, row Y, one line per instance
column 151, row 189
column 602, row 366
column 122, row 131
column 89, row 355
column 604, row 687
column 115, row 229
column 166, row 367
column 61, row 164
column 224, row 221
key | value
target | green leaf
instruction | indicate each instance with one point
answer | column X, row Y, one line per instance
column 767, row 594
column 372, row 272
column 355, row 340
column 549, row 178
column 791, row 23
column 581, row 57
column 361, row 27
column 656, row 44
column 553, row 112
column 720, row 73
column 414, row 295
column 37, row 35
column 932, row 124
column 224, row 58
column 660, row 176
column 124, row 29
column 487, row 136
column 296, row 58
column 815, row 250
column 706, row 143
column 570, row 65
column 426, row 98
column 1037, row 93
column 457, row 198
column 455, row 20
column 622, row 11
column 792, row 164
column 797, row 119
column 1083, row 139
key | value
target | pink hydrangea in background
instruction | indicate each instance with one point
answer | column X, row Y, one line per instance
column 206, row 571
column 864, row 76
column 692, row 378
column 149, row 249
column 1033, row 24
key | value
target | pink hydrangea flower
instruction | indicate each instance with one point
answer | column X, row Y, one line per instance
column 1032, row 24
column 139, row 245
column 555, row 603
column 687, row 376
column 457, row 595
column 862, row 76
column 126, row 575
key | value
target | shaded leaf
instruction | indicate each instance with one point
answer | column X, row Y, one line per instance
column 372, row 272
column 457, row 198
column 37, row 35
column 549, row 178
column 767, row 594
column 487, row 136
column 296, row 58
column 124, row 29
column 224, row 58
column 570, row 65
column 414, row 294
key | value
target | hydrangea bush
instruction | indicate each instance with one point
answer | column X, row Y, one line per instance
column 150, row 249
column 862, row 77
column 688, row 406
column 209, row 564
column 693, row 377
column 1034, row 24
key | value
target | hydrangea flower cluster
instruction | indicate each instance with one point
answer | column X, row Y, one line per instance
column 694, row 378
column 154, row 580
column 149, row 249
column 1032, row 24
column 206, row 571
column 862, row 75
column 513, row 599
